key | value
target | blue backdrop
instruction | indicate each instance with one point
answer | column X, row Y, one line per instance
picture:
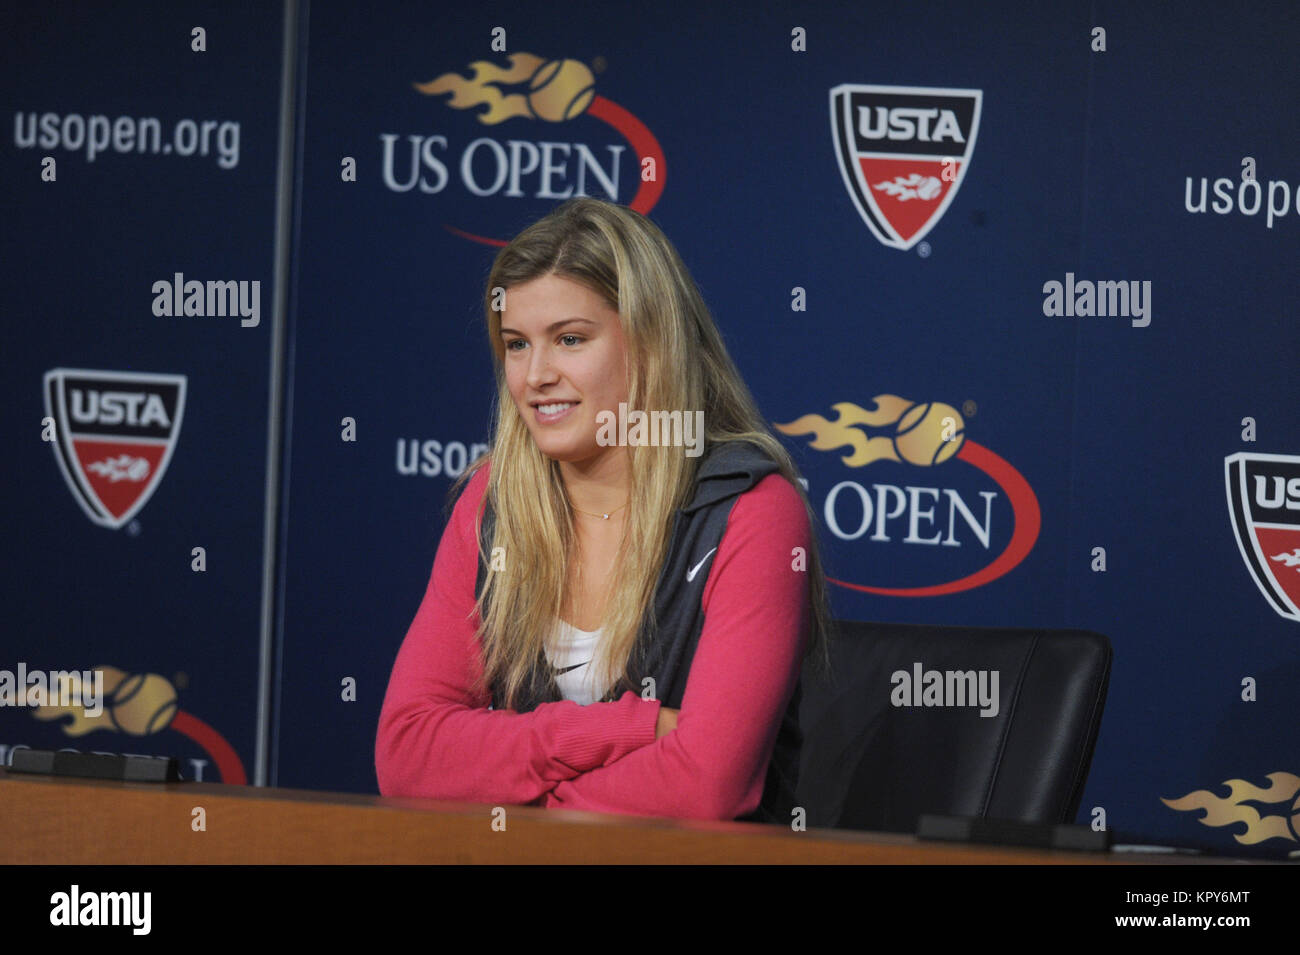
column 848, row 254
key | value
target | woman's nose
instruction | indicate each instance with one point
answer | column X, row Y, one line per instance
column 540, row 368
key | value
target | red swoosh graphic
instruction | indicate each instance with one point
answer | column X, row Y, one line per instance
column 214, row 744
column 1028, row 522
column 643, row 143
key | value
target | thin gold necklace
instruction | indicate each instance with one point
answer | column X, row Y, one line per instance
column 601, row 516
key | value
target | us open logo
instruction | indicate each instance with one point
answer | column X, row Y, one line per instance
column 1264, row 504
column 903, row 152
column 936, row 524
column 557, row 142
column 115, row 434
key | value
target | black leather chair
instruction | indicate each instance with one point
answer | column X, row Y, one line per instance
column 870, row 764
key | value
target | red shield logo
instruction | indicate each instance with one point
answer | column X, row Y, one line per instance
column 1264, row 503
column 903, row 152
column 115, row 433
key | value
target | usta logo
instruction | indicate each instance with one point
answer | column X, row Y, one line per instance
column 906, row 122
column 118, row 407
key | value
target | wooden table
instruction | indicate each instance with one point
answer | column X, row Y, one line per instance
column 48, row 820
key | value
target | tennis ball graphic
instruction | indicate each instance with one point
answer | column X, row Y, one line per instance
column 143, row 704
column 561, row 90
column 921, row 433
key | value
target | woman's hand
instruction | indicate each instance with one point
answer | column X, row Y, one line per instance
column 667, row 721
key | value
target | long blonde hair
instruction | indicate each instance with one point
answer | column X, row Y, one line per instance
column 677, row 360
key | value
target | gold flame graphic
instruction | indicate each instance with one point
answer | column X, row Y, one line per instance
column 138, row 705
column 1220, row 811
column 921, row 434
column 558, row 90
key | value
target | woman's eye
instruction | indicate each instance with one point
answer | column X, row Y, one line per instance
column 510, row 345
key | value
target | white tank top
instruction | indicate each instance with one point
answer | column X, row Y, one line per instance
column 571, row 653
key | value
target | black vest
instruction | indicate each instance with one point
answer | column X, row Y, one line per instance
column 665, row 652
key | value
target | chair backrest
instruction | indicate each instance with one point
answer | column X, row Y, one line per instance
column 879, row 751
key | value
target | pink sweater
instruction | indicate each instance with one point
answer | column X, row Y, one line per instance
column 437, row 741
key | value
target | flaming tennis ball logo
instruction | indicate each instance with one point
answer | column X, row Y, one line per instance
column 924, row 434
column 531, row 87
column 138, row 705
column 561, row 90
column 1227, row 810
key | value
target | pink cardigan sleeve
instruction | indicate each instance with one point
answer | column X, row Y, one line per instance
column 746, row 666
column 435, row 740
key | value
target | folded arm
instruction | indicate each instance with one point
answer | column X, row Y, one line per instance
column 746, row 666
column 436, row 740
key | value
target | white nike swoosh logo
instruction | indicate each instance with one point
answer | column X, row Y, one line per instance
column 690, row 574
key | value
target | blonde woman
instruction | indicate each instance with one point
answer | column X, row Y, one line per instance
column 617, row 617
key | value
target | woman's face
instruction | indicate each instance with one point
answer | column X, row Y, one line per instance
column 563, row 345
